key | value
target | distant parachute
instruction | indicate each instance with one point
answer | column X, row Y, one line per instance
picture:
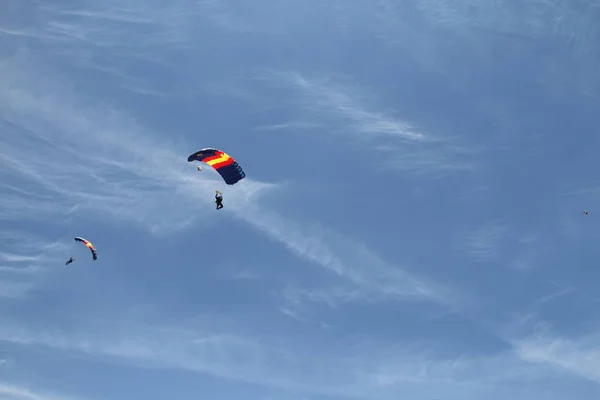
column 89, row 246
column 223, row 163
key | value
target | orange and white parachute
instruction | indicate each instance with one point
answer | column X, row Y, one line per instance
column 89, row 245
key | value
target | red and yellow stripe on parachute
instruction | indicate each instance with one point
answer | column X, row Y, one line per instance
column 89, row 245
column 223, row 163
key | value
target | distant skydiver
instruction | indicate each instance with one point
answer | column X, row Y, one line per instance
column 70, row 260
column 219, row 200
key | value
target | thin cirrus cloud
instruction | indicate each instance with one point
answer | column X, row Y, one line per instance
column 79, row 158
column 344, row 110
column 486, row 243
column 102, row 161
column 404, row 145
column 11, row 391
column 99, row 160
column 356, row 371
column 225, row 355
column 84, row 159
column 22, row 259
column 580, row 357
column 324, row 97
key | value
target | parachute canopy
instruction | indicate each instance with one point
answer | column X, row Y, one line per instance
column 89, row 246
column 223, row 163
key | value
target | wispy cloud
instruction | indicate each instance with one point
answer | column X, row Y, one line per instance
column 348, row 259
column 77, row 159
column 86, row 24
column 19, row 392
column 346, row 369
column 350, row 113
column 66, row 155
column 15, row 258
column 20, row 251
column 537, row 18
column 224, row 355
column 22, row 258
column 328, row 99
column 89, row 35
column 332, row 296
column 486, row 243
column 99, row 161
column 580, row 357
column 432, row 33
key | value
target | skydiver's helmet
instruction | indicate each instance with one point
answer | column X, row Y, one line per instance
column 199, row 167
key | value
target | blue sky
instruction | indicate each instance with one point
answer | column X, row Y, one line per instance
column 410, row 226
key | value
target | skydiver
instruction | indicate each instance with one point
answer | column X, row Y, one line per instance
column 585, row 213
column 70, row 260
column 219, row 200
